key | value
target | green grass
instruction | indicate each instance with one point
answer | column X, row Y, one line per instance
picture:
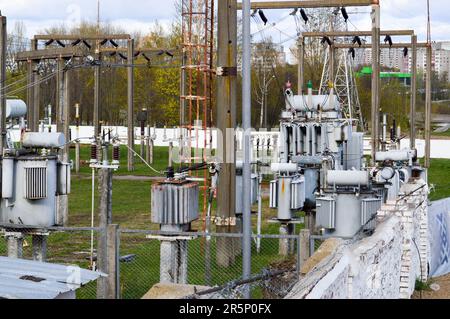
column 438, row 175
column 443, row 134
column 160, row 161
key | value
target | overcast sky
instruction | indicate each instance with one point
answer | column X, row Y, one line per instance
column 140, row 15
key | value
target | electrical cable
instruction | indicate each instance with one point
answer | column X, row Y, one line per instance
column 144, row 161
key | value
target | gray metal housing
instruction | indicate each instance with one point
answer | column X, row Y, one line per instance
column 30, row 186
column 174, row 202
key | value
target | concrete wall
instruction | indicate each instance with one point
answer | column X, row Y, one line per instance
column 382, row 266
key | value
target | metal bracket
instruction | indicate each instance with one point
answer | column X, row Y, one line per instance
column 169, row 238
column 115, row 167
column 230, row 221
column 226, row 71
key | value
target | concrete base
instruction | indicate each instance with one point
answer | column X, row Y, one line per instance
column 173, row 291
column 287, row 246
column 15, row 245
column 39, row 247
column 174, row 257
column 173, row 264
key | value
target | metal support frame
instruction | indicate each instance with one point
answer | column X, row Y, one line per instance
column 412, row 116
column 376, row 33
column 307, row 4
column 75, row 51
column 428, row 105
column 301, row 63
column 246, row 123
column 96, row 115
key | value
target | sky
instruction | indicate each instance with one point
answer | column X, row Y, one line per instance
column 141, row 15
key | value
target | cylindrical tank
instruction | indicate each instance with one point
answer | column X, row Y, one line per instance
column 284, row 198
column 349, row 217
column 7, row 178
column 15, row 109
column 47, row 140
column 63, row 179
column 311, row 186
column 392, row 156
column 306, row 104
column 347, row 178
column 284, row 167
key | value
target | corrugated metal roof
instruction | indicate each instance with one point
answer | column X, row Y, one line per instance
column 26, row 279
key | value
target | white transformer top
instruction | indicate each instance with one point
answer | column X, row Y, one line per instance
column 45, row 140
column 306, row 103
column 15, row 109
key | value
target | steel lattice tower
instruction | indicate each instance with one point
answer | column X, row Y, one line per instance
column 196, row 83
column 344, row 82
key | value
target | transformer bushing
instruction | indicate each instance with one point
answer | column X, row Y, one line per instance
column 174, row 207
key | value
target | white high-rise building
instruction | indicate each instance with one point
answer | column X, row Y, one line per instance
column 390, row 58
column 440, row 59
column 394, row 58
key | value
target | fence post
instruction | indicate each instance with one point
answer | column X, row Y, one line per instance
column 112, row 287
column 304, row 242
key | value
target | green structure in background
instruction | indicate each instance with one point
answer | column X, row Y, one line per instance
column 367, row 70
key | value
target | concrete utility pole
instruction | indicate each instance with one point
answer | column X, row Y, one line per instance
column 375, row 78
column 3, row 36
column 130, row 118
column 66, row 114
column 105, row 219
column 413, row 92
column 226, row 121
column 62, row 99
column 35, row 90
column 246, row 123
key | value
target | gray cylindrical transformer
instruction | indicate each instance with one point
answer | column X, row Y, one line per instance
column 47, row 140
column 63, row 179
column 347, row 212
column 348, row 178
column 15, row 109
column 284, row 198
column 311, row 186
column 7, row 178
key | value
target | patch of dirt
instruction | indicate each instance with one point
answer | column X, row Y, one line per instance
column 442, row 293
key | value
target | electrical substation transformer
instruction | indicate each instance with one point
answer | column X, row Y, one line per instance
column 174, row 203
column 320, row 168
column 33, row 176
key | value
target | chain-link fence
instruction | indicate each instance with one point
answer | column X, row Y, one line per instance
column 211, row 260
column 146, row 258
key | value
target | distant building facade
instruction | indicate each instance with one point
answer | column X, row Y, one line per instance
column 395, row 59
